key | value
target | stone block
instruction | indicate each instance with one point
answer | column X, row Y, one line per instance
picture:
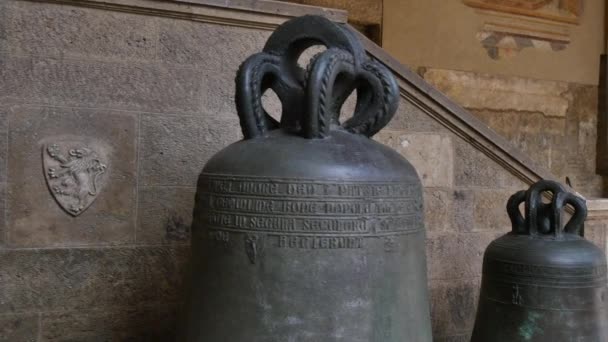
column 173, row 150
column 456, row 255
column 3, row 232
column 16, row 77
column 584, row 105
column 216, row 50
column 431, row 154
column 539, row 148
column 481, row 210
column 61, row 280
column 411, row 119
column 490, row 211
column 130, row 86
column 66, row 31
column 14, row 328
column 3, row 33
column 81, row 279
column 595, row 231
column 437, row 209
column 217, row 95
column 587, row 143
column 510, row 124
column 3, row 143
column 463, row 215
column 35, row 218
column 238, row 43
column 453, row 306
column 209, row 46
column 479, row 91
column 472, row 168
column 20, row 289
column 592, row 188
column 190, row 43
column 165, row 214
column 131, row 324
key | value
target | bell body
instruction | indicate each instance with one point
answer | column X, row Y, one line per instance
column 541, row 286
column 310, row 241
column 308, row 230
column 542, row 290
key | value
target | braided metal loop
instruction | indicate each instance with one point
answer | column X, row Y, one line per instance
column 543, row 219
column 312, row 98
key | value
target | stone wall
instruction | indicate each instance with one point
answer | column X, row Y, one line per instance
column 555, row 123
column 454, row 35
column 154, row 96
column 365, row 15
column 465, row 199
column 360, row 12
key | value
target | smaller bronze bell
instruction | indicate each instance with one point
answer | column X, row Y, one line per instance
column 543, row 281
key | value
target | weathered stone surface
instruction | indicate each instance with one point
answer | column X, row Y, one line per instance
column 584, row 102
column 165, row 214
column 35, row 219
column 15, row 77
column 238, row 44
column 437, row 209
column 595, row 231
column 19, row 276
column 132, row 324
column 532, row 133
column 134, row 86
column 539, row 147
column 587, row 142
column 456, row 256
column 463, row 215
column 510, row 124
column 366, row 12
column 411, row 119
column 478, row 91
column 63, row 31
column 453, row 306
column 15, row 328
column 3, row 143
column 555, row 123
column 431, row 154
column 209, row 46
column 481, row 210
column 2, row 214
column 174, row 149
column 3, row 33
column 474, row 169
column 581, row 146
column 218, row 90
column 80, row 279
column 490, row 210
column 273, row 106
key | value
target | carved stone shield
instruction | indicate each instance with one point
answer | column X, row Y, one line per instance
column 75, row 173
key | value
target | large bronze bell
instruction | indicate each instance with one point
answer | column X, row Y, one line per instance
column 543, row 281
column 307, row 230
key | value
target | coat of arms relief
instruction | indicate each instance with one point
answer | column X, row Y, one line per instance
column 75, row 174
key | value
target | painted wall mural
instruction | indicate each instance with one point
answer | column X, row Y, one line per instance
column 512, row 25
